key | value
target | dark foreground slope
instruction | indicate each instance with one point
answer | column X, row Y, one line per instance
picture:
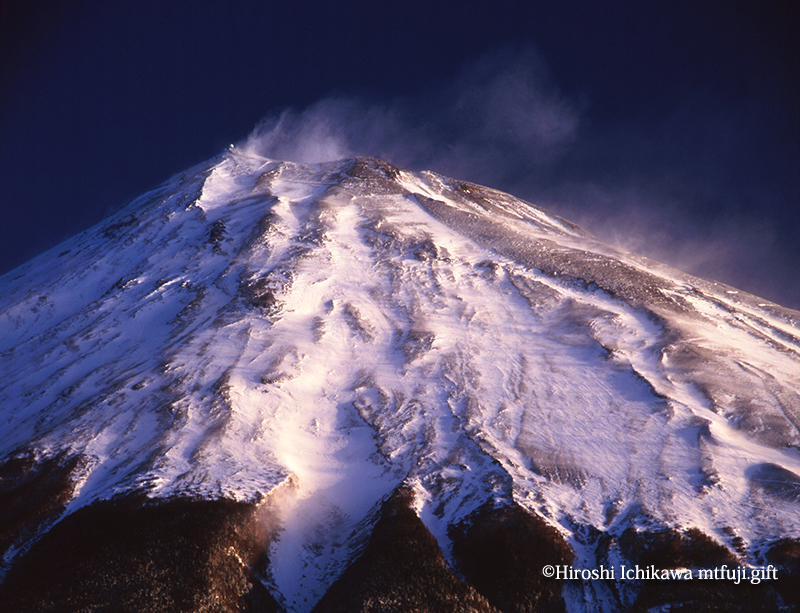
column 188, row 555
column 134, row 555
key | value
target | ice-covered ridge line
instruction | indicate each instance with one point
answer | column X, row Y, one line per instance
column 434, row 186
column 260, row 327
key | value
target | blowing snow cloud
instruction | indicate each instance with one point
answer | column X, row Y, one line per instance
column 653, row 187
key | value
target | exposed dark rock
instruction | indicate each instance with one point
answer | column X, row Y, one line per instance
column 263, row 292
column 785, row 553
column 401, row 570
column 216, row 234
column 112, row 229
column 379, row 177
column 551, row 464
column 33, row 493
column 357, row 324
column 775, row 481
column 135, row 554
column 668, row 549
column 372, row 168
column 426, row 251
column 417, row 343
column 501, row 551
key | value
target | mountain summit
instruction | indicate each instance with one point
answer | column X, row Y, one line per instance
column 267, row 386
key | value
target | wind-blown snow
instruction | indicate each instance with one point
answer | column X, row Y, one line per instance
column 326, row 332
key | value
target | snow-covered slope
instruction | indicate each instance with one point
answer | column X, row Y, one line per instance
column 324, row 333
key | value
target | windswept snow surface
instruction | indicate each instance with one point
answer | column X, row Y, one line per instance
column 323, row 333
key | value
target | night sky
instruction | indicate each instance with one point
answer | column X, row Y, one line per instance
column 670, row 128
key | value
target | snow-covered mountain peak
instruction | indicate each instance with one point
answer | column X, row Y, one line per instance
column 336, row 330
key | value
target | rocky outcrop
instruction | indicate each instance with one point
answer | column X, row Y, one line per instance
column 401, row 569
column 502, row 551
column 134, row 554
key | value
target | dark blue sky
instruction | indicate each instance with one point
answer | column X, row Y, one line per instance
column 669, row 127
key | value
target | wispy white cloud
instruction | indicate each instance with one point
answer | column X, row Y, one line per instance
column 500, row 109
column 646, row 185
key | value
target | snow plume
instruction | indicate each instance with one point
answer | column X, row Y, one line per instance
column 689, row 187
column 659, row 185
column 500, row 116
column 314, row 135
column 647, row 221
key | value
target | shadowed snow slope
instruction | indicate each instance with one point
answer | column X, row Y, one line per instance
column 311, row 337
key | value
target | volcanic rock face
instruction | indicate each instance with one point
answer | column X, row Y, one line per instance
column 263, row 386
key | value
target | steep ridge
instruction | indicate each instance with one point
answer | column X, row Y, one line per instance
column 303, row 340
